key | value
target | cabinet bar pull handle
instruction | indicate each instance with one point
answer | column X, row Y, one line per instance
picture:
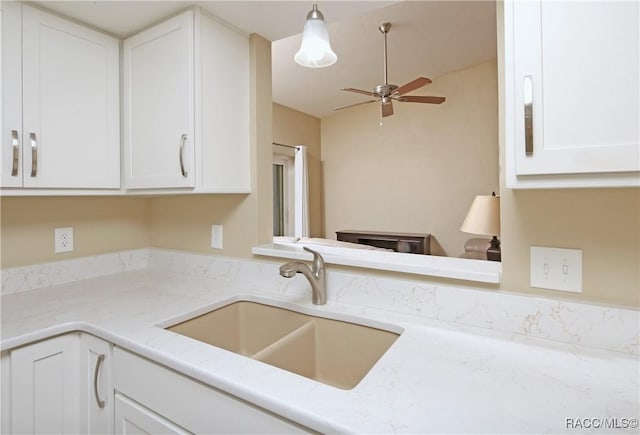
column 16, row 152
column 34, row 154
column 183, row 139
column 527, row 90
column 95, row 381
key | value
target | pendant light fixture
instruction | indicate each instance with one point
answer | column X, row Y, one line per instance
column 315, row 50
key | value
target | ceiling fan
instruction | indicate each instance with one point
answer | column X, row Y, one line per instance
column 386, row 93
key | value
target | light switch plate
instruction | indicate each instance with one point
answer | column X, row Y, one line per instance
column 556, row 268
column 216, row 236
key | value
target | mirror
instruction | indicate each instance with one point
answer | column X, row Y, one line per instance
column 418, row 170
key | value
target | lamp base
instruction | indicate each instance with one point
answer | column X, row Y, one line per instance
column 494, row 253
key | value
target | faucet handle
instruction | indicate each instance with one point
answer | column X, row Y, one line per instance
column 318, row 261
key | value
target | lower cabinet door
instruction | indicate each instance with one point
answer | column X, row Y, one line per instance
column 96, row 386
column 133, row 418
column 45, row 386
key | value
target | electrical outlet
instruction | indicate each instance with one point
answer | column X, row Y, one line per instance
column 63, row 238
column 216, row 236
column 556, row 269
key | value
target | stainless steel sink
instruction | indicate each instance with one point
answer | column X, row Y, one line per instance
column 334, row 352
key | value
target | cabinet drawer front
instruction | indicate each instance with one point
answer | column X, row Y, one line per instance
column 133, row 418
column 207, row 410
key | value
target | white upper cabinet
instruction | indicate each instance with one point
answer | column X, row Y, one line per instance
column 572, row 105
column 222, row 119
column 60, row 114
column 186, row 108
column 159, row 105
column 11, row 87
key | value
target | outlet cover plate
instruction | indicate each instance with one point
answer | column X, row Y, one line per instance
column 63, row 240
column 556, row 269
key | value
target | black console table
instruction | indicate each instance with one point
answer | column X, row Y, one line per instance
column 400, row 242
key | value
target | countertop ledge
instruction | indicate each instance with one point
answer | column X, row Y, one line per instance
column 436, row 377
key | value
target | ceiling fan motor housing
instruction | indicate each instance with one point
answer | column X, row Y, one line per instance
column 385, row 90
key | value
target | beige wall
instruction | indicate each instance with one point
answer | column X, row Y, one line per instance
column 100, row 225
column 604, row 223
column 420, row 170
column 291, row 127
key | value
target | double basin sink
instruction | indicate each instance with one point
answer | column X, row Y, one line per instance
column 334, row 352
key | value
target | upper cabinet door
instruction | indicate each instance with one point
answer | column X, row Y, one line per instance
column 222, row 107
column 159, row 105
column 572, row 92
column 11, row 111
column 70, row 110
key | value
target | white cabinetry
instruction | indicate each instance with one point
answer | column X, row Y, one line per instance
column 571, row 93
column 96, row 386
column 151, row 397
column 50, row 387
column 186, row 107
column 159, row 103
column 45, row 385
column 60, row 103
column 131, row 417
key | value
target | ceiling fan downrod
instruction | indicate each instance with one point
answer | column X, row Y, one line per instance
column 384, row 29
column 386, row 89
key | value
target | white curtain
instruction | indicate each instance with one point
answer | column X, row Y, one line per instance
column 301, row 192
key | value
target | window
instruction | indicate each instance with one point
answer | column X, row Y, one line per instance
column 282, row 196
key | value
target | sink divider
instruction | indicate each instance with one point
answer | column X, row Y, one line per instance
column 284, row 341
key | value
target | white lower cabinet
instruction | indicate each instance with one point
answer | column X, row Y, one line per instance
column 133, row 418
column 77, row 383
column 48, row 387
column 96, row 385
column 157, row 396
column 44, row 387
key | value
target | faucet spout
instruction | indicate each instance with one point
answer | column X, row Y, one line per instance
column 315, row 276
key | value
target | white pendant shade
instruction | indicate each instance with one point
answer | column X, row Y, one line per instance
column 315, row 50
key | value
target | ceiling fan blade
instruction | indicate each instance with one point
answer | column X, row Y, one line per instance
column 359, row 91
column 357, row 104
column 387, row 109
column 420, row 99
column 412, row 85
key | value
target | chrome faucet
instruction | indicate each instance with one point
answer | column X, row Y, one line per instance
column 316, row 276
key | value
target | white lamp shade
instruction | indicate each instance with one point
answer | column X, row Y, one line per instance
column 315, row 50
column 483, row 217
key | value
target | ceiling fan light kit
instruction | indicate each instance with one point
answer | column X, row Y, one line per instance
column 387, row 93
column 315, row 50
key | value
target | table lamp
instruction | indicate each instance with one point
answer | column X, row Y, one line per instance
column 484, row 219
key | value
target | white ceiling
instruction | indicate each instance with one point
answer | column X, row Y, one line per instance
column 427, row 38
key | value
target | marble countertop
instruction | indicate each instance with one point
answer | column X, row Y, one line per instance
column 435, row 378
